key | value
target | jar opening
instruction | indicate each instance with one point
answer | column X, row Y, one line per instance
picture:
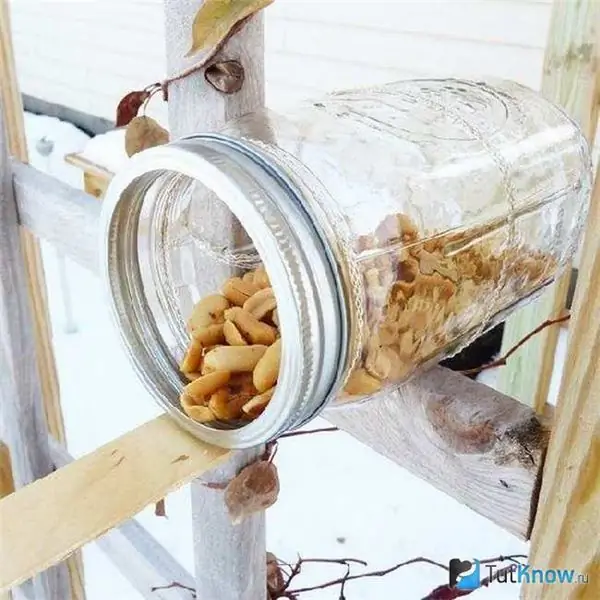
column 183, row 221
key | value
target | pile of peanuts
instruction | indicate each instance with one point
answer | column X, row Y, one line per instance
column 233, row 358
column 421, row 297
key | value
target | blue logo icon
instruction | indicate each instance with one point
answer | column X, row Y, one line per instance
column 464, row 574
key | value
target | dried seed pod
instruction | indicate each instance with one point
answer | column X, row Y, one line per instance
column 193, row 357
column 234, row 358
column 254, row 489
column 209, row 336
column 208, row 311
column 267, row 369
column 232, row 334
column 251, row 328
column 361, row 383
column 237, row 291
column 255, row 406
column 261, row 303
column 202, row 388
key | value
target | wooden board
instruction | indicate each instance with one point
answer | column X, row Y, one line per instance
column 566, row 534
column 230, row 560
column 7, row 486
column 572, row 79
column 67, row 218
column 22, row 423
column 96, row 493
column 482, row 448
column 140, row 558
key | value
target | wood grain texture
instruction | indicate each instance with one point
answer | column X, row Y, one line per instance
column 566, row 533
column 36, row 281
column 96, row 493
column 482, row 448
column 67, row 218
column 230, row 560
column 22, row 422
column 571, row 78
column 7, row 486
column 141, row 559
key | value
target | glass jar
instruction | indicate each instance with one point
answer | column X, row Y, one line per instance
column 395, row 224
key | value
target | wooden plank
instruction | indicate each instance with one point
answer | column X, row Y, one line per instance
column 566, row 533
column 572, row 79
column 22, row 420
column 36, row 281
column 63, row 216
column 136, row 554
column 96, row 493
column 7, row 486
column 482, row 448
column 230, row 560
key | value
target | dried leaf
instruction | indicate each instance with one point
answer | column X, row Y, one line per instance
column 129, row 106
column 275, row 579
column 216, row 18
column 159, row 508
column 143, row 133
column 253, row 490
column 226, row 76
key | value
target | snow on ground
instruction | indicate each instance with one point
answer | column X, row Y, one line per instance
column 338, row 498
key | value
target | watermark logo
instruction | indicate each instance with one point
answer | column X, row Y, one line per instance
column 465, row 574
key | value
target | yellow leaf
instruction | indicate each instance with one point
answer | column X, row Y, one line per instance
column 216, row 18
column 142, row 133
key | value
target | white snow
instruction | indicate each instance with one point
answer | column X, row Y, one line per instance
column 107, row 150
column 338, row 498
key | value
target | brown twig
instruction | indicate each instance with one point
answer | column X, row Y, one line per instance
column 345, row 579
column 295, row 433
column 502, row 360
column 175, row 584
column 204, row 61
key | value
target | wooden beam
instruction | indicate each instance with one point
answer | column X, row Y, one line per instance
column 67, row 218
column 566, row 532
column 96, row 493
column 230, row 560
column 572, row 79
column 23, row 426
column 141, row 559
column 482, row 448
column 36, row 281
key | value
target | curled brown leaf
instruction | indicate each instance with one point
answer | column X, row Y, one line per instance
column 143, row 133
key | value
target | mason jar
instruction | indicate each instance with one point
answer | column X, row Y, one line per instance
column 384, row 229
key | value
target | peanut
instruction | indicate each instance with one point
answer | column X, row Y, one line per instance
column 233, row 358
column 208, row 384
column 261, row 303
column 254, row 407
column 267, row 369
column 208, row 311
column 193, row 357
column 251, row 328
column 261, row 279
column 209, row 336
column 232, row 335
column 237, row 291
column 225, row 407
column 361, row 383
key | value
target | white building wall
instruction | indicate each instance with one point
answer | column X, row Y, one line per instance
column 87, row 54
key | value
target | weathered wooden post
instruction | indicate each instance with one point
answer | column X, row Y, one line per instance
column 230, row 560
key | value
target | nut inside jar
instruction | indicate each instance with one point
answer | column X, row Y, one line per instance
column 422, row 295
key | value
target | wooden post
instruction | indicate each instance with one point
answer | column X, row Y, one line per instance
column 22, row 418
column 10, row 97
column 565, row 533
column 572, row 79
column 230, row 560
